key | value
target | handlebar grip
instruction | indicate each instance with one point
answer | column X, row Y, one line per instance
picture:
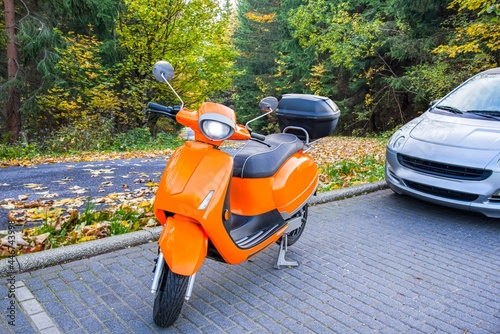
column 158, row 107
column 163, row 110
column 258, row 136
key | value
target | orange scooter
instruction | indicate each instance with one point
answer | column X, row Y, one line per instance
column 230, row 206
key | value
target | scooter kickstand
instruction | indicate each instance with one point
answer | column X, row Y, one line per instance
column 281, row 254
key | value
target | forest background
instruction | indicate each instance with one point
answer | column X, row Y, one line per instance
column 76, row 74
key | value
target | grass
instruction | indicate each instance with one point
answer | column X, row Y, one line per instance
column 347, row 173
column 89, row 225
column 60, row 148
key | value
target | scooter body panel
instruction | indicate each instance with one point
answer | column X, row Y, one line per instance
column 183, row 244
column 251, row 197
column 294, row 183
column 287, row 190
column 182, row 195
column 193, row 172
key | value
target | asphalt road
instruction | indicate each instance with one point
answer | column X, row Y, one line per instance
column 76, row 179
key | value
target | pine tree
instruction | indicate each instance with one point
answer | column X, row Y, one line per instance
column 256, row 39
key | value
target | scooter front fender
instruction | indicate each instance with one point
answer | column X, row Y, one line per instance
column 184, row 245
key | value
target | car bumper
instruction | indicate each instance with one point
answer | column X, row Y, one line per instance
column 474, row 196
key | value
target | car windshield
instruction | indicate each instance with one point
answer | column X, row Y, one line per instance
column 480, row 95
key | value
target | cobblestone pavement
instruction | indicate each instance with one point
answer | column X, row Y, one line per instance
column 376, row 263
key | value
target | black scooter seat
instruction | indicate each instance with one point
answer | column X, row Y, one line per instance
column 263, row 159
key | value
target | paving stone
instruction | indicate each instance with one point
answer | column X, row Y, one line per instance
column 32, row 307
column 115, row 326
column 91, row 324
column 68, row 275
column 79, row 309
column 369, row 264
column 66, row 323
column 55, row 309
column 42, row 321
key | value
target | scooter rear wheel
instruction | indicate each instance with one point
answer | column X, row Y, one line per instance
column 294, row 235
column 169, row 297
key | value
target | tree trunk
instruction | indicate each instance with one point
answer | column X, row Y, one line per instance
column 14, row 99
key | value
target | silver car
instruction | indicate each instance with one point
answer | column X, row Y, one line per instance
column 450, row 155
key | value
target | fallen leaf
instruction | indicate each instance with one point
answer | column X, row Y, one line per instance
column 50, row 195
column 18, row 240
column 9, row 206
column 23, row 197
column 32, row 204
column 40, row 239
column 31, row 185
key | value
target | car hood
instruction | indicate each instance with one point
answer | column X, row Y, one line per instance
column 457, row 140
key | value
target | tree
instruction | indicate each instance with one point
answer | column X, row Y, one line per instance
column 82, row 102
column 477, row 35
column 13, row 104
column 192, row 35
column 362, row 51
column 256, row 38
column 38, row 32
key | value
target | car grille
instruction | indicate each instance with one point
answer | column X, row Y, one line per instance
column 456, row 195
column 444, row 170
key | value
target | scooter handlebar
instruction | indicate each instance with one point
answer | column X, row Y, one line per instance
column 163, row 110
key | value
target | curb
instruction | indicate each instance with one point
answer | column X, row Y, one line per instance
column 339, row 194
column 55, row 256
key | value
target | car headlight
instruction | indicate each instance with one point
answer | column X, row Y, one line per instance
column 398, row 143
column 216, row 126
column 399, row 137
column 397, row 140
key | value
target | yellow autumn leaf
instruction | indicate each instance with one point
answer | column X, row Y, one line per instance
column 31, row 185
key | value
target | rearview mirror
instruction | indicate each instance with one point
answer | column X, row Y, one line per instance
column 163, row 71
column 268, row 104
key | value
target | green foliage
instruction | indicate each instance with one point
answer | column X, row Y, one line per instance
column 70, row 140
column 141, row 139
column 84, row 97
column 39, row 35
column 349, row 173
column 86, row 65
column 119, row 227
column 432, row 81
column 18, row 150
column 332, row 28
column 355, row 53
column 476, row 40
column 74, row 139
column 192, row 35
column 256, row 39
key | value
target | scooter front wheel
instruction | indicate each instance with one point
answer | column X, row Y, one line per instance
column 169, row 297
column 294, row 235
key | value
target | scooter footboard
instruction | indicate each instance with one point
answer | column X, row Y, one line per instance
column 184, row 245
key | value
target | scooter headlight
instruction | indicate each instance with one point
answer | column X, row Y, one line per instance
column 216, row 127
